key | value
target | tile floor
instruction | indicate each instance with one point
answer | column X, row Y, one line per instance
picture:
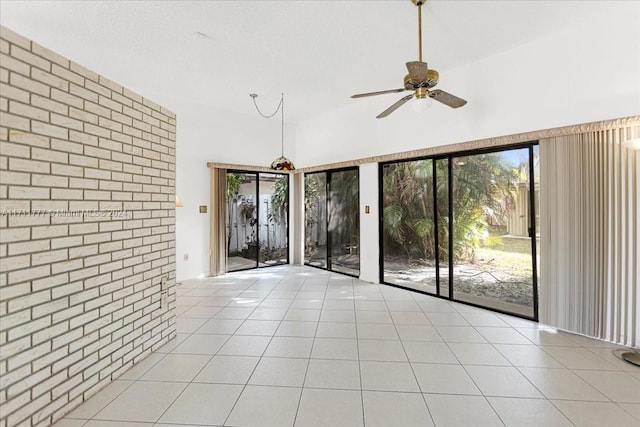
column 299, row 346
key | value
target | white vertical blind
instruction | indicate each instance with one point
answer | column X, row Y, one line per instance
column 589, row 196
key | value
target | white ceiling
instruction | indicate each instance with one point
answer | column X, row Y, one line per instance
column 317, row 52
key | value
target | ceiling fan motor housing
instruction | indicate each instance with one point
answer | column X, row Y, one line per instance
column 432, row 80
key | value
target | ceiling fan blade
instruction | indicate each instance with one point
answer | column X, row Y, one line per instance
column 418, row 70
column 446, row 98
column 394, row 107
column 382, row 92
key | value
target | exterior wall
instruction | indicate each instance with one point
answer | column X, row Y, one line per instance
column 87, row 231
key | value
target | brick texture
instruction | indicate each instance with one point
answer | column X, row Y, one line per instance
column 87, row 231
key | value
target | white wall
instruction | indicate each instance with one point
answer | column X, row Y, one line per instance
column 369, row 249
column 586, row 72
column 207, row 134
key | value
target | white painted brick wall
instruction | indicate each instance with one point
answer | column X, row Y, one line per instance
column 79, row 291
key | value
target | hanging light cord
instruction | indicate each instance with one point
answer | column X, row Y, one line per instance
column 280, row 108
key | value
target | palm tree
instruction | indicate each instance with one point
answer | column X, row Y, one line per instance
column 482, row 187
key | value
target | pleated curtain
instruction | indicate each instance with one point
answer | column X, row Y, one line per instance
column 218, row 226
column 589, row 258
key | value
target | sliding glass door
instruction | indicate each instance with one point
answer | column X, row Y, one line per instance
column 332, row 221
column 257, row 219
column 492, row 231
column 462, row 227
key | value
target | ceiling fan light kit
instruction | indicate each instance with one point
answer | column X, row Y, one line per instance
column 421, row 79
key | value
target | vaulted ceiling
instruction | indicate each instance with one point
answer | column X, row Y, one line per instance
column 317, row 52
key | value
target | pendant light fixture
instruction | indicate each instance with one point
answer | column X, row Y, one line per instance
column 281, row 163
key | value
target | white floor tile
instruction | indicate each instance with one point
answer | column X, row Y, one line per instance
column 366, row 316
column 440, row 378
column 201, row 344
column 528, row 356
column 461, row 411
column 517, row 412
column 336, row 330
column 66, row 422
column 497, row 335
column 465, row 334
column 289, row 347
column 142, row 402
column 201, row 312
column 337, row 316
column 176, row 367
column 447, row 319
column 578, row 358
column 102, row 423
column 502, row 381
column 258, row 327
column 227, row 370
column 335, row 348
column 391, row 351
column 99, row 400
column 617, row 386
column 243, row 345
column 409, row 318
column 240, row 313
column 478, row 354
column 279, row 371
column 388, row 376
column 391, row 409
column 302, row 315
column 595, row 414
column 371, row 305
column 418, row 333
column 429, row 352
column 338, row 305
column 268, row 314
column 561, row 384
column 330, row 408
column 296, row 329
column 186, row 325
column 547, row 337
column 143, row 366
column 377, row 331
column 631, row 408
column 483, row 319
column 288, row 326
column 206, row 404
column 260, row 406
column 340, row 374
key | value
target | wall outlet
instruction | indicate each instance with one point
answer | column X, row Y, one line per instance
column 163, row 283
column 186, row 257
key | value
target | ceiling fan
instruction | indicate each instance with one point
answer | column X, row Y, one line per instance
column 420, row 80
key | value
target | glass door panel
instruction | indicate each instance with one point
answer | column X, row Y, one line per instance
column 442, row 233
column 492, row 248
column 343, row 221
column 273, row 220
column 315, row 219
column 409, row 232
column 242, row 221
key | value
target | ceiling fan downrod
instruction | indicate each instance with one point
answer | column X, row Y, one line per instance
column 419, row 3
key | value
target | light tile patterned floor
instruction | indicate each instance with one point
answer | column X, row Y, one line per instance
column 299, row 346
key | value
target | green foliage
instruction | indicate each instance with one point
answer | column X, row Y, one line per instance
column 279, row 200
column 483, row 192
column 233, row 184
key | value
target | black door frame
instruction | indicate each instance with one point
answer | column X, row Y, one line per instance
column 328, row 173
column 449, row 156
column 257, row 175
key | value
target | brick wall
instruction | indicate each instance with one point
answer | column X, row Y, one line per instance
column 87, row 184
